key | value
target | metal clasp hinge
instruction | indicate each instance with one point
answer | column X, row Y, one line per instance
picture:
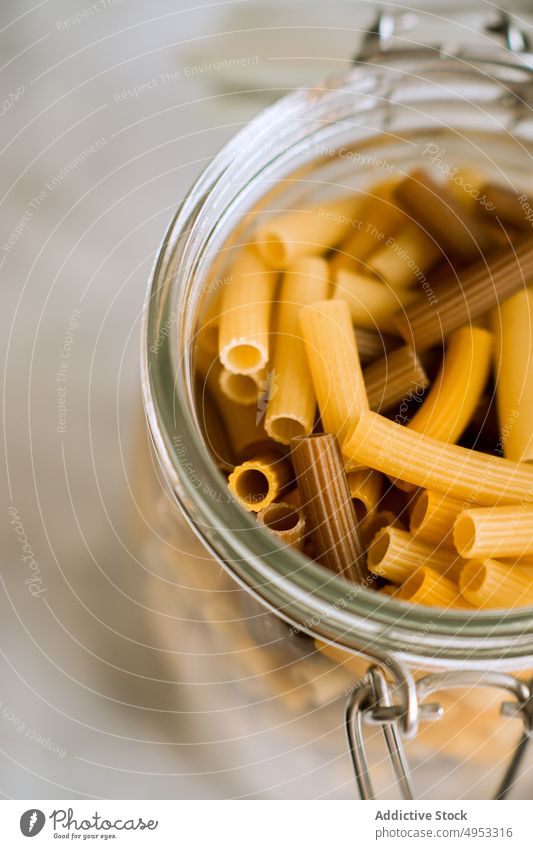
column 397, row 32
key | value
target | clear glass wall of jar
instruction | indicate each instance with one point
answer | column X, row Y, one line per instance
column 378, row 119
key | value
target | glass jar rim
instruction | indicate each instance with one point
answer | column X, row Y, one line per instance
column 302, row 592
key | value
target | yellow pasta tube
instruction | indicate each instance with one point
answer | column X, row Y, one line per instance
column 308, row 231
column 494, row 532
column 379, row 218
column 512, row 323
column 377, row 520
column 396, row 377
column 292, row 404
column 455, row 392
column 395, row 554
column 404, row 258
column 333, row 360
column 245, row 315
column 365, row 487
column 433, row 516
column 257, row 483
column 488, row 583
column 286, row 522
column 427, row 586
column 418, row 459
column 373, row 304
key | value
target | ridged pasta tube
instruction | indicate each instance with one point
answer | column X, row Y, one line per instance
column 418, row 459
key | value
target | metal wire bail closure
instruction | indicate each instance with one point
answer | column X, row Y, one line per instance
column 371, row 701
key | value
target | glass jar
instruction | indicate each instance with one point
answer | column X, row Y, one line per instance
column 270, row 643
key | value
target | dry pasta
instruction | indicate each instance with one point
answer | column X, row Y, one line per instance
column 241, row 388
column 433, row 516
column 310, row 230
column 333, row 360
column 438, row 310
column 214, row 432
column 286, row 521
column 365, row 487
column 379, row 219
column 427, row 586
column 373, row 304
column 278, row 369
column 488, row 583
column 292, row 497
column 494, row 532
column 377, row 520
column 256, row 483
column 207, row 335
column 327, row 506
column 466, row 188
column 405, row 258
column 458, row 233
column 453, row 397
column 373, row 345
column 512, row 207
column 245, row 431
column 395, row 554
